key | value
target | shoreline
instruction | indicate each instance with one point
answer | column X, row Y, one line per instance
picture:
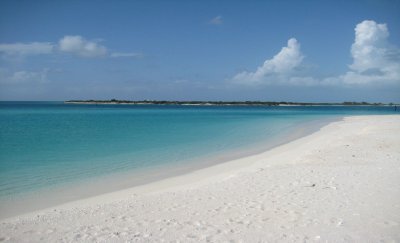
column 52, row 197
column 337, row 184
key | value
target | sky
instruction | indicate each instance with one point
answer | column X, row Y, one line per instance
column 305, row 51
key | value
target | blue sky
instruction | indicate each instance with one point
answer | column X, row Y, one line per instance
column 200, row 50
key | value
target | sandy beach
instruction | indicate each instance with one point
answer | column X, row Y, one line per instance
column 339, row 184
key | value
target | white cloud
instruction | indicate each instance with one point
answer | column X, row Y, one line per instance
column 368, row 49
column 76, row 45
column 34, row 48
column 277, row 69
column 125, row 54
column 216, row 20
column 374, row 59
column 80, row 46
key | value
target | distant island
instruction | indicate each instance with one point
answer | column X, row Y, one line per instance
column 220, row 103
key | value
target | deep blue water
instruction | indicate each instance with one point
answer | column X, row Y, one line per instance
column 50, row 143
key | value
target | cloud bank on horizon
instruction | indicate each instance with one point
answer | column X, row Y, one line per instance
column 374, row 61
column 69, row 44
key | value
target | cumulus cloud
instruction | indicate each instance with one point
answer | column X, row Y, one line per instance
column 369, row 47
column 374, row 59
column 34, row 48
column 80, row 46
column 277, row 69
column 216, row 20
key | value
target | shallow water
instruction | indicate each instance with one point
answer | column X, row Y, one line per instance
column 50, row 144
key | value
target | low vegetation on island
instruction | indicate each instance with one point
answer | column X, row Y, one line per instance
column 220, row 103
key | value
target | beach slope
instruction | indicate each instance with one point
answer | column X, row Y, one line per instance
column 339, row 184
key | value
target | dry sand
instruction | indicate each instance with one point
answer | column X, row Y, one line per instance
column 340, row 184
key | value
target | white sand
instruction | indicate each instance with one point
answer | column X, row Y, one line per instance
column 340, row 184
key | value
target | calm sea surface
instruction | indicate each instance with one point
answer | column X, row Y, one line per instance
column 46, row 144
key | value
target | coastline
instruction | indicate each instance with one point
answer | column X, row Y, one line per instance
column 339, row 183
column 219, row 103
column 55, row 196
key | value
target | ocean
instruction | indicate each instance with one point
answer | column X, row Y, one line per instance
column 51, row 145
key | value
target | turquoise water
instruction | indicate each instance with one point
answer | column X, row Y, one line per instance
column 50, row 143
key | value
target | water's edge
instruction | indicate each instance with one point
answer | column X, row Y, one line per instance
column 47, row 198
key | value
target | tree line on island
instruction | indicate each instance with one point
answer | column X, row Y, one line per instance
column 247, row 103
